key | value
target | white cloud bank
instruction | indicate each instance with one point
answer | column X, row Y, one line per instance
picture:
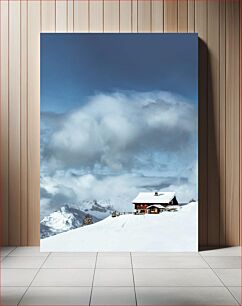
column 128, row 136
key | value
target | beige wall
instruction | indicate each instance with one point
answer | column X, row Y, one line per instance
column 217, row 23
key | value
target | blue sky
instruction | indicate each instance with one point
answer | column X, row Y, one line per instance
column 75, row 66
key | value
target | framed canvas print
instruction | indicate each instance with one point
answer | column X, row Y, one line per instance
column 119, row 142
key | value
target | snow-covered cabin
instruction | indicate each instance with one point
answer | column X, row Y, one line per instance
column 153, row 202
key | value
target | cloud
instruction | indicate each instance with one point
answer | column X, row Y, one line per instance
column 116, row 145
column 118, row 131
column 66, row 188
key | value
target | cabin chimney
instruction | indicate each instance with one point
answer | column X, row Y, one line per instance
column 156, row 193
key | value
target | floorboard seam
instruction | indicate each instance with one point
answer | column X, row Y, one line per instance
column 220, row 280
column 135, row 295
column 33, row 279
column 90, row 299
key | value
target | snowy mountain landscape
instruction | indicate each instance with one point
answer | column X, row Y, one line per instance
column 168, row 231
column 118, row 142
column 68, row 217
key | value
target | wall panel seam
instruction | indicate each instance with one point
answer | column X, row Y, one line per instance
column 187, row 17
column 219, row 85
column 151, row 30
column 225, row 225
column 55, row 15
column 20, row 130
column 240, row 118
column 27, row 108
column 218, row 151
column 8, row 126
column 207, row 106
column 177, row 15
column 88, row 19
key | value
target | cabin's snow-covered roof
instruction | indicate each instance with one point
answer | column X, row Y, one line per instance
column 151, row 198
column 157, row 206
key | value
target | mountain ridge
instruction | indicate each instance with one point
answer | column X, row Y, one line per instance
column 69, row 217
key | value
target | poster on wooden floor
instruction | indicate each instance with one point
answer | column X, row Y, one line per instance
column 119, row 142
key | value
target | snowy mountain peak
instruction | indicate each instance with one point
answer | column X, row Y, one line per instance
column 68, row 217
column 99, row 209
column 62, row 220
